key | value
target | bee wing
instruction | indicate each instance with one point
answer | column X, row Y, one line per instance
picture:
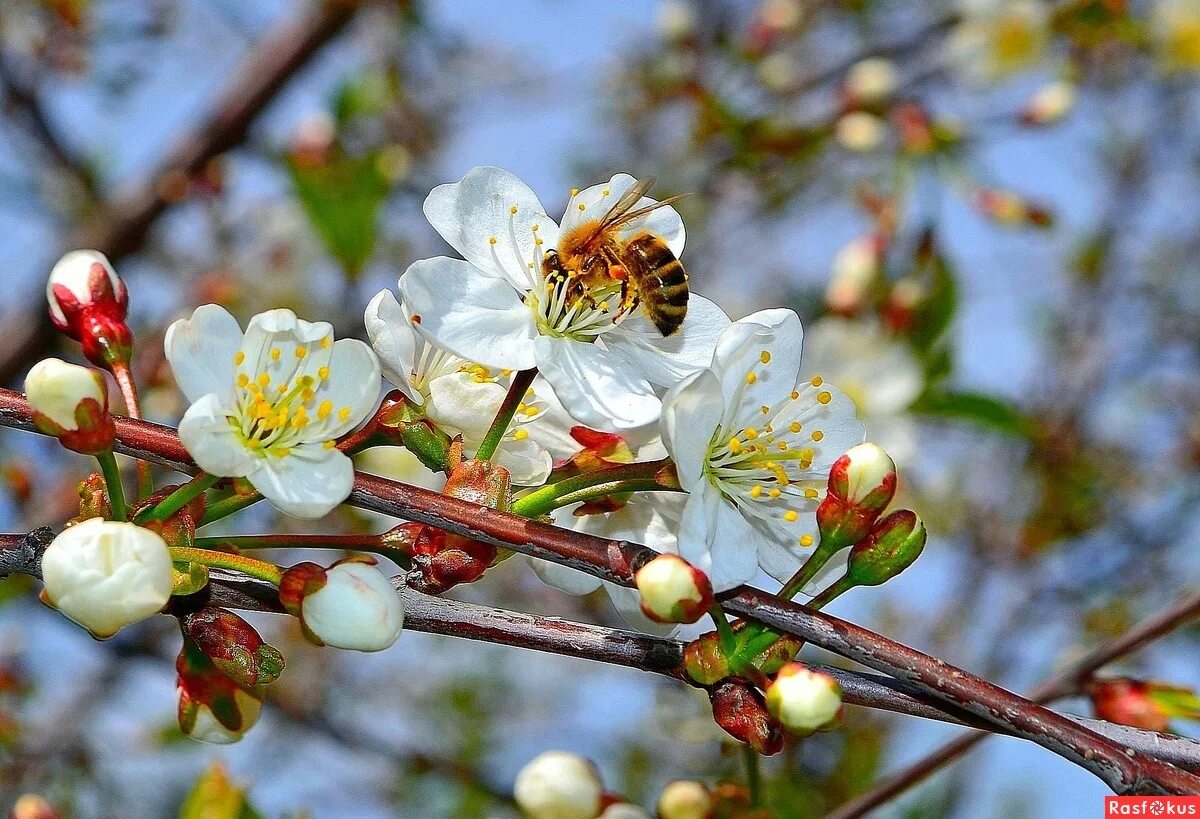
column 618, row 212
column 640, row 212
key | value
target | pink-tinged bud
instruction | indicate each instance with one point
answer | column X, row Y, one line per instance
column 861, row 484
column 870, row 80
column 804, row 700
column 1141, row 703
column 233, row 646
column 211, row 706
column 88, row 302
column 32, row 806
column 682, row 799
column 895, row 542
column 351, row 605
column 673, row 590
column 1049, row 103
column 742, row 713
column 559, row 785
column 855, row 268
column 71, row 403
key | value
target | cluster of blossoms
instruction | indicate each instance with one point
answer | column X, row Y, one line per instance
column 558, row 371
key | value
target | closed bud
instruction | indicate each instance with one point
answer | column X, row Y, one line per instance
column 233, row 646
column 870, row 80
column 804, row 700
column 32, row 806
column 861, row 485
column 682, row 799
column 704, row 661
column 894, row 543
column 741, row 712
column 1141, row 703
column 88, row 302
column 1049, row 103
column 673, row 590
column 350, row 605
column 71, row 403
column 623, row 810
column 105, row 575
column 559, row 785
column 211, row 707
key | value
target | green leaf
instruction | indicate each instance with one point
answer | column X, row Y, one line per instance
column 982, row 410
column 214, row 796
column 341, row 198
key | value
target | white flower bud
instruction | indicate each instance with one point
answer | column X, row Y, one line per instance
column 676, row 19
column 74, row 271
column 1049, row 103
column 673, row 591
column 860, row 131
column 357, row 608
column 804, row 700
column 559, row 785
column 624, row 810
column 871, row 79
column 55, row 388
column 868, row 469
column 778, row 71
column 105, row 575
column 207, row 728
column 683, row 799
column 853, row 270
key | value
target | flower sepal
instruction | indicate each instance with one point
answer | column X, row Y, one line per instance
column 211, row 706
column 233, row 646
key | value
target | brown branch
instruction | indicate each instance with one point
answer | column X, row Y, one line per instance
column 121, row 225
column 1119, row 767
column 1066, row 683
column 439, row 615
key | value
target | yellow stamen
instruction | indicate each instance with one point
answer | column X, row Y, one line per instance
column 764, row 357
column 324, row 410
column 824, row 397
column 520, row 435
column 806, row 540
column 817, row 435
column 239, row 358
column 751, row 377
column 735, row 446
column 301, row 352
column 791, row 516
column 817, row 381
column 275, row 353
column 795, row 426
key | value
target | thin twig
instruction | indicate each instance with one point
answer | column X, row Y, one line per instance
column 1122, row 769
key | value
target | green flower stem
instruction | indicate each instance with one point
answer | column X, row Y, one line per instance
column 429, row 444
column 642, row 476
column 226, row 560
column 112, row 480
column 756, row 642
column 753, row 776
column 180, row 498
column 725, row 633
column 228, row 506
column 373, row 544
column 504, row 415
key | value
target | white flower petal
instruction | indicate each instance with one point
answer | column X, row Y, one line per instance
column 628, row 603
column 201, row 349
column 666, row 359
column 564, row 578
column 691, row 412
column 596, row 386
column 739, row 353
column 353, row 385
column 472, row 212
column 394, row 341
column 464, row 405
column 527, row 463
column 598, row 200
column 715, row 538
column 307, row 483
column 471, row 314
column 207, row 432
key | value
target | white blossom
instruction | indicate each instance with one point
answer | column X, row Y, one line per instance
column 105, row 575
column 268, row 405
column 601, row 354
column 753, row 446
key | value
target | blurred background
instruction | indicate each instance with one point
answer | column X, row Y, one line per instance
column 986, row 213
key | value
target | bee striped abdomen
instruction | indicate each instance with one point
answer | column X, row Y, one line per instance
column 662, row 283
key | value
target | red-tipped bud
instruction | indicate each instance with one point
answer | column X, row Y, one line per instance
column 32, row 806
column 351, row 605
column 71, row 403
column 894, row 543
column 742, row 713
column 683, row 799
column 803, row 700
column 233, row 646
column 673, row 590
column 861, row 485
column 1142, row 704
column 88, row 302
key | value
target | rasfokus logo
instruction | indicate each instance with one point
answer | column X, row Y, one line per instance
column 1152, row 806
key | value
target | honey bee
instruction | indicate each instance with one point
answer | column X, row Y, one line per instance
column 593, row 256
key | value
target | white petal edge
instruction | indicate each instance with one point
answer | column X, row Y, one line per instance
column 201, row 349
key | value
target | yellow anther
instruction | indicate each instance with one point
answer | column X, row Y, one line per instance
column 751, row 377
column 791, row 516
column 343, row 413
column 535, row 227
column 735, row 446
column 530, row 412
column 506, row 373
column 325, row 342
column 513, row 210
column 239, row 358
column 605, row 192
column 275, row 353
column 782, row 446
column 765, row 409
column 520, row 435
column 323, row 373
column 243, row 380
column 492, row 240
column 538, row 243
column 824, row 397
column 307, row 396
column 795, row 426
column 330, row 444
column 324, row 410
column 817, row 435
column 775, row 493
column 756, row 491
column 751, row 433
column 817, row 381
column 264, row 380
column 582, row 206
column 306, row 381
column 764, row 357
column 811, row 494
column 806, row 540
column 795, row 395
column 282, row 388
column 574, row 191
column 301, row 352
